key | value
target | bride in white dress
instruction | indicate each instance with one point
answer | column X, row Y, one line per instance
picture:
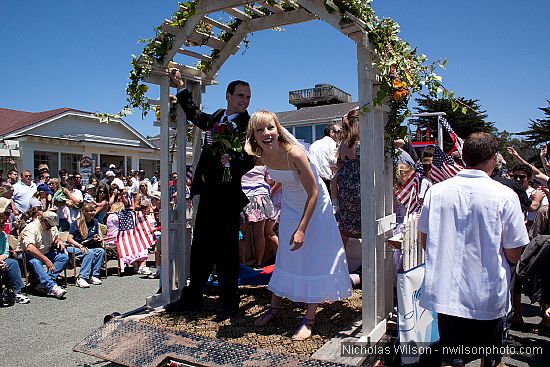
column 311, row 263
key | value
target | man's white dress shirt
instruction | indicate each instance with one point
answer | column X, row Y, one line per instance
column 470, row 219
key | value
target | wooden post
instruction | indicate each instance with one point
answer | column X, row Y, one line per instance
column 167, row 273
column 380, row 188
column 167, row 267
column 388, row 200
column 368, row 198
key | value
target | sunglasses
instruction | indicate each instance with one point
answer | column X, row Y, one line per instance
column 27, row 175
column 520, row 177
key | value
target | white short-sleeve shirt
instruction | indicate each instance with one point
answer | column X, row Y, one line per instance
column 323, row 156
column 469, row 220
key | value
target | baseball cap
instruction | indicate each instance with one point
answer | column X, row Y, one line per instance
column 50, row 218
column 35, row 203
column 112, row 166
column 90, row 186
column 109, row 174
column 4, row 204
column 45, row 188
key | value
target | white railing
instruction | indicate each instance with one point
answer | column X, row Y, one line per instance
column 412, row 251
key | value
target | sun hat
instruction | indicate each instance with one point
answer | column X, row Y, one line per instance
column 118, row 182
column 4, row 204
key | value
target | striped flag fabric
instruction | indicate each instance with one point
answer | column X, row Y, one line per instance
column 134, row 233
column 209, row 137
column 457, row 141
column 407, row 194
column 443, row 166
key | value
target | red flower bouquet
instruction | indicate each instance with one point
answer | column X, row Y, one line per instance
column 223, row 138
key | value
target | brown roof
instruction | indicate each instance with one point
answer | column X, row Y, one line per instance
column 13, row 120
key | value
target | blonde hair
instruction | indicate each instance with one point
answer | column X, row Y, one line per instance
column 260, row 119
column 81, row 221
column 350, row 127
column 116, row 207
column 55, row 181
column 404, row 171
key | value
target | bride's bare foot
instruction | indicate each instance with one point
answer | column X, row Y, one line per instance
column 267, row 317
column 304, row 330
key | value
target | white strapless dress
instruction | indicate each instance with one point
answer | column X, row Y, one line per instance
column 318, row 271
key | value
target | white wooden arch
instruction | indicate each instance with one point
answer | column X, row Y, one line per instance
column 376, row 171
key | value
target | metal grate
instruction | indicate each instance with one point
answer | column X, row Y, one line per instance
column 132, row 343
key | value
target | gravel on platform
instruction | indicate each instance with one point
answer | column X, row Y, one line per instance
column 331, row 318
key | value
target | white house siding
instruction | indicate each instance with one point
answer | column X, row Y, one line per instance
column 71, row 125
column 76, row 133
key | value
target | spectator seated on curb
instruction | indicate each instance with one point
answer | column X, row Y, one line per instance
column 43, row 247
column 9, row 267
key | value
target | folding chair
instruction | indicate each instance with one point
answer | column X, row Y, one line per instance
column 111, row 252
column 72, row 258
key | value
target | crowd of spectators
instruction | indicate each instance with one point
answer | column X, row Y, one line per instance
column 51, row 220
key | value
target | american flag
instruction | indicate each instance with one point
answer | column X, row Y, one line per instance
column 209, row 137
column 210, row 132
column 407, row 194
column 443, row 166
column 458, row 142
column 134, row 233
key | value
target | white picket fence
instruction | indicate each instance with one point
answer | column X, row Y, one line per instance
column 412, row 252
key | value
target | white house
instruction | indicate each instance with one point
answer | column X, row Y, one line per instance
column 62, row 137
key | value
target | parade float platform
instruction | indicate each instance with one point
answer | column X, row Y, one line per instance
column 158, row 338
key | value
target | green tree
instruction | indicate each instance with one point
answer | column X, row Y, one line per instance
column 539, row 129
column 522, row 146
column 467, row 119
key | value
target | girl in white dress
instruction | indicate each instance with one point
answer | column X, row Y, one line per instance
column 311, row 263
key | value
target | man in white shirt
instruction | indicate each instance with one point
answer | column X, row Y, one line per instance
column 470, row 226
column 323, row 153
column 23, row 191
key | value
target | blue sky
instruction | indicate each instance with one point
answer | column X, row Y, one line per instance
column 76, row 54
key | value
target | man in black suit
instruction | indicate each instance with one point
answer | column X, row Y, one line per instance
column 216, row 232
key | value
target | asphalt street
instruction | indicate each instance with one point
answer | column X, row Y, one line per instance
column 44, row 332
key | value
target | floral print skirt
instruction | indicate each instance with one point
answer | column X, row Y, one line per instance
column 260, row 208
